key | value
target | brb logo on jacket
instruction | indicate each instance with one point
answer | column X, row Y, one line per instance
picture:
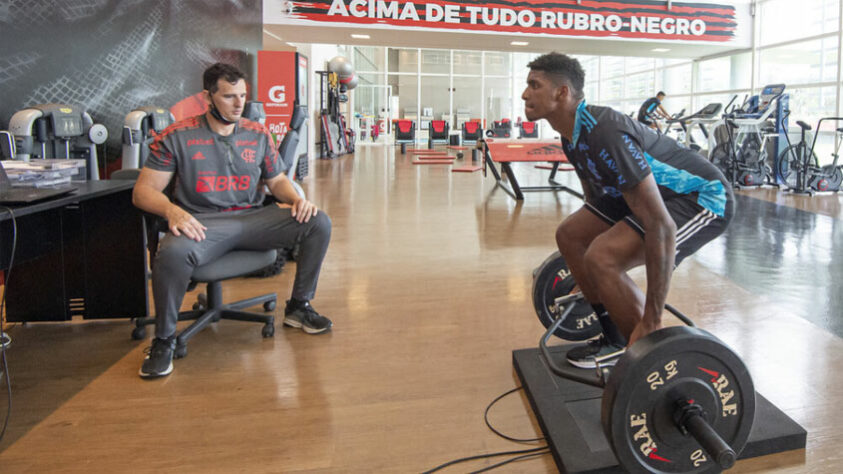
column 213, row 183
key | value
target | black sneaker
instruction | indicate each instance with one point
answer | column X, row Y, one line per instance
column 306, row 318
column 584, row 356
column 159, row 358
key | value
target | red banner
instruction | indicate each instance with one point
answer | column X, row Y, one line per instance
column 631, row 19
column 277, row 89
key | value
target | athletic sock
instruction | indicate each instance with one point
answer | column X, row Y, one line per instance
column 610, row 330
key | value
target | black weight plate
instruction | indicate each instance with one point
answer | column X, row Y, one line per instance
column 551, row 280
column 639, row 401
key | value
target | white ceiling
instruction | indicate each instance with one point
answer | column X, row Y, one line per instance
column 276, row 36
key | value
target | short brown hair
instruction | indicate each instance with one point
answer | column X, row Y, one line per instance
column 218, row 71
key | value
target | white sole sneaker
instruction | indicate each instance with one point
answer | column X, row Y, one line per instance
column 155, row 376
column 298, row 325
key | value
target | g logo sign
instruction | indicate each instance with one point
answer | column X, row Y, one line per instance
column 277, row 95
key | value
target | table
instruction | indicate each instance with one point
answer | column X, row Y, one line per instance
column 81, row 254
column 506, row 151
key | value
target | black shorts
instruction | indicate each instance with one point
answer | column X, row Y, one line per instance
column 695, row 225
column 645, row 120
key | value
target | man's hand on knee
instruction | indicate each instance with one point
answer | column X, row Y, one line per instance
column 303, row 210
column 182, row 222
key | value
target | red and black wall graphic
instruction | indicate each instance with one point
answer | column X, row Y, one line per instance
column 633, row 19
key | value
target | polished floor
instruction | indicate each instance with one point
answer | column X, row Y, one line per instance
column 428, row 282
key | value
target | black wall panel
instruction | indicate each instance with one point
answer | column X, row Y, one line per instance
column 114, row 55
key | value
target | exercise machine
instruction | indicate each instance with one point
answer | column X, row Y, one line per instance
column 139, row 129
column 58, row 131
column 799, row 167
column 760, row 136
column 701, row 120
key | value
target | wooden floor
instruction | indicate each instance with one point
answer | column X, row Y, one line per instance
column 428, row 283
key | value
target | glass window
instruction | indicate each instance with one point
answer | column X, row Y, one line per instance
column 520, row 61
column 435, row 96
column 809, row 104
column 436, row 61
column 611, row 67
column 701, row 101
column 467, row 62
column 591, row 66
column 497, row 63
column 611, row 89
column 675, row 80
column 405, row 86
column 665, row 62
column 369, row 95
column 591, row 95
column 785, row 20
column 498, row 97
column 639, row 85
column 799, row 63
column 403, row 60
column 675, row 104
column 637, row 64
column 368, row 78
column 468, row 99
column 726, row 73
column 368, row 58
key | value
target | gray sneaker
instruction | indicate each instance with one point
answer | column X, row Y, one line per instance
column 306, row 318
column 583, row 356
column 159, row 358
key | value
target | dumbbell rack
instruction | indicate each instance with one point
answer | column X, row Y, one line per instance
column 568, row 413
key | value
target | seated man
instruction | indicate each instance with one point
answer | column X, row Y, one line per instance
column 651, row 108
column 221, row 163
column 649, row 201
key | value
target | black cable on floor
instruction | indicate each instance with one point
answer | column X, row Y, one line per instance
column 517, row 458
column 525, row 453
column 509, row 438
column 484, row 456
column 3, row 337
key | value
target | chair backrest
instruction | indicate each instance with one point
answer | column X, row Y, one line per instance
column 254, row 111
column 471, row 131
column 290, row 142
column 405, row 130
column 529, row 130
column 438, row 130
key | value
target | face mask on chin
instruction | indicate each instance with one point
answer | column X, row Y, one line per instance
column 217, row 115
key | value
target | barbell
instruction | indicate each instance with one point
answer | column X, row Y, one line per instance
column 678, row 400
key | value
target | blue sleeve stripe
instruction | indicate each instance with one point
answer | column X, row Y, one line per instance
column 711, row 194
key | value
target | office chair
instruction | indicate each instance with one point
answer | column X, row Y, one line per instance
column 210, row 308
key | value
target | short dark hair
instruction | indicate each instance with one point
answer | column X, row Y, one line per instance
column 220, row 71
column 562, row 66
column 661, row 93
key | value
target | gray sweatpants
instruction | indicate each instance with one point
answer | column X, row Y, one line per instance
column 269, row 227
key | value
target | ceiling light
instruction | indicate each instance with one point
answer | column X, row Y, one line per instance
column 362, row 37
column 519, row 43
column 660, row 50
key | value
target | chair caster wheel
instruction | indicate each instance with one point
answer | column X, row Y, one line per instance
column 197, row 306
column 269, row 305
column 139, row 333
column 180, row 352
column 268, row 330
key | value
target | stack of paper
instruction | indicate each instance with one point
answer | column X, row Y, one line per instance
column 39, row 173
